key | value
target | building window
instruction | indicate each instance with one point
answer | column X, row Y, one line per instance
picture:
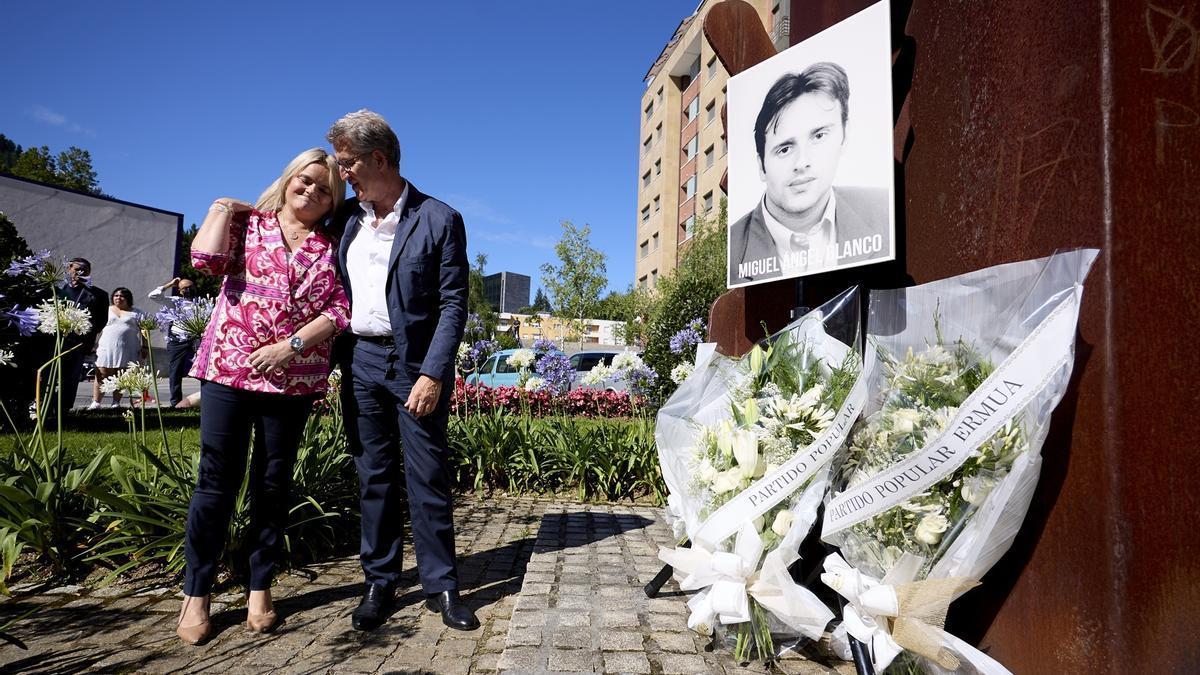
column 658, row 132
column 724, row 147
column 653, row 278
column 689, row 189
column 693, row 109
column 657, row 205
column 688, row 226
column 646, row 145
column 708, row 201
column 644, row 249
column 649, row 109
column 646, row 179
column 655, row 240
column 712, row 67
column 709, row 155
column 710, row 112
column 689, row 150
column 642, row 282
column 658, row 96
column 657, row 167
column 646, row 214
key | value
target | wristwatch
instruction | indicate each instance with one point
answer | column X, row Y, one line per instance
column 296, row 343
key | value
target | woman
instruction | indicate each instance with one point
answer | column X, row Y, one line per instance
column 262, row 363
column 120, row 343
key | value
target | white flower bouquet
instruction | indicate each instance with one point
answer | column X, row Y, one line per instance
column 940, row 471
column 745, row 446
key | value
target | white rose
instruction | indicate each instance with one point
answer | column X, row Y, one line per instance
column 783, row 523
column 976, row 489
column 905, row 420
column 727, row 480
column 930, row 529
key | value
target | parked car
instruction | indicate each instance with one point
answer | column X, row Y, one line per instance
column 496, row 371
column 583, row 362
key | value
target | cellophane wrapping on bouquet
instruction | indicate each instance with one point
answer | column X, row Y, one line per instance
column 939, row 472
column 745, row 446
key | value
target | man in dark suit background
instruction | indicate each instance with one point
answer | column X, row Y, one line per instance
column 79, row 289
column 803, row 224
column 403, row 256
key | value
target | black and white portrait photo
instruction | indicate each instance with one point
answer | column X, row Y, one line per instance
column 810, row 156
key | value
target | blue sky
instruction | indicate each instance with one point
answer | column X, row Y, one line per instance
column 519, row 114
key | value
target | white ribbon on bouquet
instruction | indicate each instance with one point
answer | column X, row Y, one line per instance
column 1028, row 371
column 765, row 493
column 727, row 581
column 896, row 614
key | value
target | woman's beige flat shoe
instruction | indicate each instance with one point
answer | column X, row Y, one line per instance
column 262, row 623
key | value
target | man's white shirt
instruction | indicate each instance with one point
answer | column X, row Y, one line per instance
column 367, row 266
column 821, row 252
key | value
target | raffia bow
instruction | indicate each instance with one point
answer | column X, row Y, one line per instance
column 892, row 618
column 727, row 582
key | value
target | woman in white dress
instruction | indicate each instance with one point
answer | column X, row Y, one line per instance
column 120, row 342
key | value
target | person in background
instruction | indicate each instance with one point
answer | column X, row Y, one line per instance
column 262, row 363
column 181, row 350
column 120, row 344
column 79, row 289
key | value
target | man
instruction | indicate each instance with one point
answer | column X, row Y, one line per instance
column 180, row 348
column 403, row 257
column 79, row 289
column 803, row 224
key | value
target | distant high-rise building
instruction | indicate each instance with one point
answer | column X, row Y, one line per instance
column 506, row 291
column 682, row 154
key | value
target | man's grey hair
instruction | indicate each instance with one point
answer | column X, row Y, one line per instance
column 365, row 131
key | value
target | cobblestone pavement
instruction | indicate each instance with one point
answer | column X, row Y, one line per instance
column 557, row 587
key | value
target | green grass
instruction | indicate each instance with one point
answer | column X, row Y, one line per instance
column 80, row 445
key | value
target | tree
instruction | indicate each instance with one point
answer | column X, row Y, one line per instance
column 75, row 171
column 36, row 164
column 71, row 169
column 575, row 283
column 477, row 302
column 687, row 293
column 540, row 304
column 9, row 152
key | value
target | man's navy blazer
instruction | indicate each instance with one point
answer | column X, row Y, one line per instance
column 426, row 283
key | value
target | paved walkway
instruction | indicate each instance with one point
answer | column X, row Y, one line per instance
column 557, row 587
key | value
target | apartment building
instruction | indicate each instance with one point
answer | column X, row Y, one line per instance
column 682, row 153
column 506, row 291
column 530, row 327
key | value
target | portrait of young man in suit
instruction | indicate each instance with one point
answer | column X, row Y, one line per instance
column 803, row 224
column 403, row 257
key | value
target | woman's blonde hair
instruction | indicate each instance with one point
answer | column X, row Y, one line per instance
column 272, row 198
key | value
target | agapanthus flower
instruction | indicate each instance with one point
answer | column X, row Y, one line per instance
column 690, row 336
column 35, row 266
column 133, row 380
column 543, row 345
column 627, row 360
column 597, row 375
column 185, row 319
column 25, row 320
column 535, row 384
column 63, row 317
column 641, row 380
column 681, row 372
column 7, row 358
column 522, row 358
column 555, row 369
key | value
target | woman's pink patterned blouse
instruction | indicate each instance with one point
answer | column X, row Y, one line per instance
column 265, row 298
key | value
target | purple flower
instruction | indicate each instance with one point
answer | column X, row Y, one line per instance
column 689, row 337
column 474, row 327
column 29, row 265
column 26, row 320
column 542, row 345
column 641, row 380
column 555, row 369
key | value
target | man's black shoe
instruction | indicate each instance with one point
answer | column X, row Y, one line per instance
column 373, row 609
column 455, row 613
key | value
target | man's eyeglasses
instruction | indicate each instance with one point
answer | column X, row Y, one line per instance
column 347, row 165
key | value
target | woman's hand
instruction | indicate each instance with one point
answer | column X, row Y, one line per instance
column 234, row 205
column 272, row 357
